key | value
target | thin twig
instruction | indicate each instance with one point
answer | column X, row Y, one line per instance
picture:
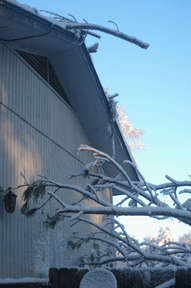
column 114, row 24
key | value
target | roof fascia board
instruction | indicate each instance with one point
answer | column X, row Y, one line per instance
column 117, row 129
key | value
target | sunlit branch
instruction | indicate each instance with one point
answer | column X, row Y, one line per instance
column 141, row 198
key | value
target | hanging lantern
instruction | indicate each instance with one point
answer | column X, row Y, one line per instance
column 10, row 201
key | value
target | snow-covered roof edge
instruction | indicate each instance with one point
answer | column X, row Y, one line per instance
column 35, row 11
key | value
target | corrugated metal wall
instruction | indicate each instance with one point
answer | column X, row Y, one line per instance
column 39, row 135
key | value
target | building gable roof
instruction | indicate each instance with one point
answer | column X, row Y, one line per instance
column 68, row 55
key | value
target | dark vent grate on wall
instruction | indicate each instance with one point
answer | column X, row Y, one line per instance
column 42, row 65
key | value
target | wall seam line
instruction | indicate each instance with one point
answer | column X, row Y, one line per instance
column 41, row 133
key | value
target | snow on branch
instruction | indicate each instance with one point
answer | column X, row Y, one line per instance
column 93, row 48
column 141, row 198
column 112, row 32
column 63, row 19
column 130, row 250
column 86, row 27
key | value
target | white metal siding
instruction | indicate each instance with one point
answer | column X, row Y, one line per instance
column 40, row 134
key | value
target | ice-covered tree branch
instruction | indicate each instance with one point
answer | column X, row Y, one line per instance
column 130, row 250
column 86, row 27
column 141, row 198
column 184, row 216
column 132, row 135
column 112, row 32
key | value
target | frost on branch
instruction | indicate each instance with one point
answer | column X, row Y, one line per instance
column 108, row 31
column 141, row 198
column 132, row 135
column 85, row 28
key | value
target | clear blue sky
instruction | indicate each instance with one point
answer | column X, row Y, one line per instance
column 154, row 85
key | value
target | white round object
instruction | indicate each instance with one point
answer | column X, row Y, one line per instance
column 98, row 278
